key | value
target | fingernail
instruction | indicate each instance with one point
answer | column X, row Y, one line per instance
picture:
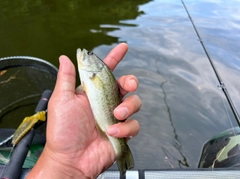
column 132, row 83
column 122, row 112
column 113, row 131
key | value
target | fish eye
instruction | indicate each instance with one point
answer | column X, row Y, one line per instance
column 90, row 53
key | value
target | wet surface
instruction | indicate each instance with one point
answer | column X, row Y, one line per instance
column 183, row 106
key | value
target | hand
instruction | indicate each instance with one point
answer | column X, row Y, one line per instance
column 74, row 148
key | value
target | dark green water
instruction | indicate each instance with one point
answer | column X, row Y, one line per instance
column 182, row 104
column 49, row 28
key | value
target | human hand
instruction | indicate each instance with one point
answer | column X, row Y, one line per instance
column 74, row 148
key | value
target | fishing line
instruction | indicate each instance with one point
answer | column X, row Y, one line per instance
column 233, row 130
column 8, row 158
column 6, row 140
column 178, row 146
column 221, row 84
column 225, row 105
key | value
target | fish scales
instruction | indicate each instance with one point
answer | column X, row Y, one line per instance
column 104, row 96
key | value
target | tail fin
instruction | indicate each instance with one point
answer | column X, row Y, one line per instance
column 126, row 161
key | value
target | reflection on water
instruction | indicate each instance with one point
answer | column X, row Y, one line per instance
column 220, row 35
column 182, row 105
column 49, row 28
column 177, row 144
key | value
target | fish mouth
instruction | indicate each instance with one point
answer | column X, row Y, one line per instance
column 83, row 55
column 80, row 57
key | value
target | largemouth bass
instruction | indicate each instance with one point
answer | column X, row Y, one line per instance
column 104, row 96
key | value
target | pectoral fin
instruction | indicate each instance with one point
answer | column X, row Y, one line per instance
column 79, row 89
column 97, row 81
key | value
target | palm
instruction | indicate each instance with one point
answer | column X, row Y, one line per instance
column 75, row 136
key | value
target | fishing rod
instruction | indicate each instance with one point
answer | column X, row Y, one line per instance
column 221, row 84
column 14, row 167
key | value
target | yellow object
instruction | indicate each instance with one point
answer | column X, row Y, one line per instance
column 26, row 125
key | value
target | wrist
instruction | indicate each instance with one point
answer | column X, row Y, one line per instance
column 49, row 167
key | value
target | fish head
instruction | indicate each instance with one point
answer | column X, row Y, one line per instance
column 90, row 67
column 89, row 62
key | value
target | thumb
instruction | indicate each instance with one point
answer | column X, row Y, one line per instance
column 66, row 77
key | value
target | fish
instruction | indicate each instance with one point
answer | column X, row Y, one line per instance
column 104, row 96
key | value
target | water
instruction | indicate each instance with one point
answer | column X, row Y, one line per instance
column 182, row 104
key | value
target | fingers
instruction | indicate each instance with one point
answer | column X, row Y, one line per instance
column 128, row 107
column 116, row 55
column 131, row 104
column 129, row 128
column 127, row 84
column 66, row 77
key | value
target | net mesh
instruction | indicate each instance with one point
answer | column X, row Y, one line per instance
column 22, row 81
